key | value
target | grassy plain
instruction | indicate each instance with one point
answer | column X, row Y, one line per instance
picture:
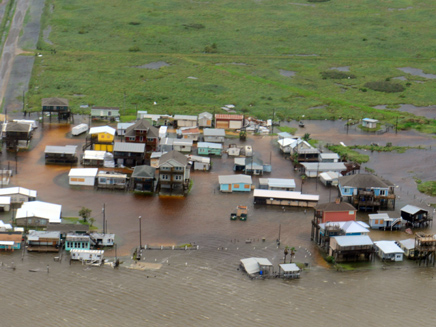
column 102, row 47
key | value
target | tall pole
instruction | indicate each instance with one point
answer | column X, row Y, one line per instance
column 140, row 236
column 104, row 219
column 396, row 126
column 272, row 122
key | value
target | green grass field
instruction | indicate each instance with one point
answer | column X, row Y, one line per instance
column 101, row 46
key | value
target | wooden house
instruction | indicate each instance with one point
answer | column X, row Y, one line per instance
column 351, row 248
column 338, row 228
column 384, row 222
column 207, row 148
column 143, row 179
column 38, row 214
column 335, row 211
column 305, row 155
column 77, row 241
column 174, row 174
column 227, row 121
column 367, row 192
column 143, row 132
column 415, row 216
column 61, row 154
column 101, row 138
column 112, row 180
column 18, row 195
column 214, row 135
column 129, row 154
column 16, row 135
column 82, row 176
column 369, row 123
column 388, row 251
column 425, row 248
column 43, row 241
column 278, row 184
column 10, row 241
column 185, row 121
column 189, row 133
column 285, row 198
column 205, row 120
column 105, row 113
column 57, row 106
column 235, row 183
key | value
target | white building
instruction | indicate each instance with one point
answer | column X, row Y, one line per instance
column 389, row 250
column 82, row 176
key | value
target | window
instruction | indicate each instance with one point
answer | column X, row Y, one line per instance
column 178, row 168
column 141, row 138
column 246, row 186
column 165, row 168
column 164, row 177
column 178, row 177
column 382, row 192
column 236, row 186
column 150, row 140
column 132, row 138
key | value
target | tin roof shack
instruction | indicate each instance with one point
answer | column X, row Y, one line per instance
column 166, row 144
column 307, row 155
column 329, row 178
column 57, row 106
column 129, row 154
column 384, row 222
column 183, row 145
column 277, row 184
column 88, row 257
column 369, row 123
column 82, row 176
column 77, row 241
column 235, row 183
column 257, row 267
column 285, row 198
column 100, row 138
column 206, row 148
column 122, row 127
column 339, row 228
column 408, row 246
column 43, row 241
column 205, row 119
column 415, row 216
column 289, row 271
column 94, row 158
column 226, row 121
column 143, row 179
column 185, row 121
column 214, row 135
column 111, row 180
column 388, row 251
column 18, row 195
column 425, row 247
column 105, row 113
column 143, row 132
column 38, row 214
column 61, row 154
column 100, row 240
column 284, row 135
column 16, row 135
column 314, row 169
column 329, row 157
column 199, row 163
column 367, row 192
column 351, row 248
column 174, row 174
column 189, row 133
column 10, row 241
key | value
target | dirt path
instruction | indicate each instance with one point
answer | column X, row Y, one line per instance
column 10, row 49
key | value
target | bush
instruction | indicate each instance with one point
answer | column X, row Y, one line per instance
column 336, row 75
column 330, row 259
column 211, row 48
column 134, row 23
column 135, row 48
column 385, row 86
column 194, row 26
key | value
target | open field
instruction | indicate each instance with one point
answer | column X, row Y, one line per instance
column 256, row 55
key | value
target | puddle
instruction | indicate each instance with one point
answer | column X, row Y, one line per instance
column 319, row 107
column 287, row 73
column 428, row 112
column 382, row 106
column 416, row 72
column 342, row 69
column 154, row 65
column 400, row 9
column 192, row 77
column 401, row 78
column 45, row 34
column 302, row 4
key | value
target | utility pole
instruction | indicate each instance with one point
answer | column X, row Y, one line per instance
column 140, row 236
column 278, row 240
column 396, row 126
column 104, row 218
column 272, row 122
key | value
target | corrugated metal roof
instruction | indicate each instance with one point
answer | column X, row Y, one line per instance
column 250, row 265
column 289, row 267
column 353, row 240
column 83, row 172
column 329, row 155
column 411, row 209
column 67, row 149
column 94, row 155
column 185, row 117
column 323, row 166
column 17, row 190
column 46, row 210
column 129, row 147
column 285, row 195
column 388, row 247
column 209, row 145
column 214, row 132
column 281, row 182
column 102, row 129
column 363, row 181
column 234, row 179
column 409, row 244
column 229, row 117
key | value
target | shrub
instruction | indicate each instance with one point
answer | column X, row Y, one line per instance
column 194, row 26
column 336, row 75
column 134, row 48
column 211, row 48
column 385, row 86
column 134, row 23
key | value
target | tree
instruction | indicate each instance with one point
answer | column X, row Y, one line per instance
column 85, row 213
column 91, row 221
column 306, row 137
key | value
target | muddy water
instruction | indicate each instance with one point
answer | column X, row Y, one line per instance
column 204, row 287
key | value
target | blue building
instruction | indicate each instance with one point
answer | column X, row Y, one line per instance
column 235, row 183
column 77, row 241
column 207, row 148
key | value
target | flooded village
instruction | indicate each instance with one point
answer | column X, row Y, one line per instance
column 187, row 249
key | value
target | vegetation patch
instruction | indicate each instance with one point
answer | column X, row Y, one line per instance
column 385, row 86
column 318, row 0
column 387, row 148
column 333, row 74
column 428, row 187
column 348, row 154
column 194, row 26
column 290, row 130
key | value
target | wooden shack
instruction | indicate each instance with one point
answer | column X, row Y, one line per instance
column 351, row 248
column 43, row 241
column 425, row 248
column 415, row 216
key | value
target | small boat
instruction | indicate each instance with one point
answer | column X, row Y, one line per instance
column 301, row 124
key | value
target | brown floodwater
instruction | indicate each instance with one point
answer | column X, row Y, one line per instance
column 204, row 287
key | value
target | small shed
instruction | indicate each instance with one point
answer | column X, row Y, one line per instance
column 329, row 178
column 205, row 119
column 279, row 184
column 369, row 123
column 90, row 257
column 207, row 148
column 199, row 163
column 289, row 270
column 185, row 120
column 82, row 176
column 284, row 135
column 389, row 250
column 235, row 183
column 329, row 157
column 257, row 266
column 94, row 158
column 111, row 180
column 409, row 246
column 214, row 135
column 227, row 121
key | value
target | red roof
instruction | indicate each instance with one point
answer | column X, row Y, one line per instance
column 229, row 117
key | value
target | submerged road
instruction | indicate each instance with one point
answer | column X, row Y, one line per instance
column 10, row 49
